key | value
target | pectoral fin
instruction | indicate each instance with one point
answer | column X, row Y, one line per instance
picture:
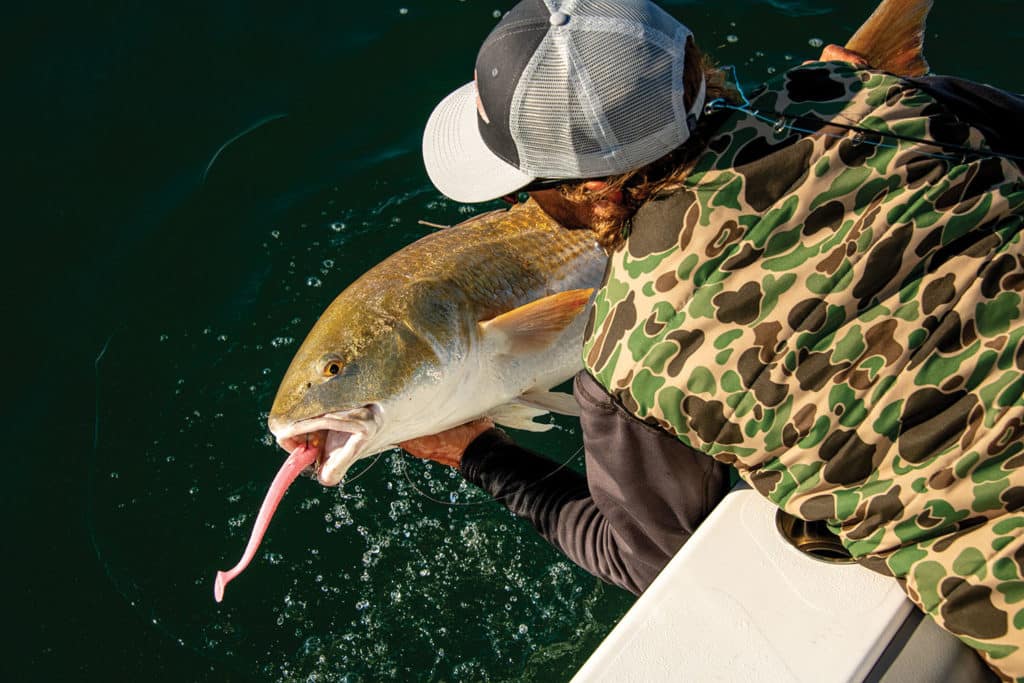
column 535, row 326
column 892, row 39
column 553, row 401
column 519, row 416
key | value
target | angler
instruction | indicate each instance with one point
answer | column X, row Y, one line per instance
column 819, row 286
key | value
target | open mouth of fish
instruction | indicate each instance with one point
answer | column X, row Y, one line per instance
column 339, row 439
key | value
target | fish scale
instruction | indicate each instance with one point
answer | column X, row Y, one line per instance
column 498, row 261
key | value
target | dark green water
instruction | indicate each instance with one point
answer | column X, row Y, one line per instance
column 154, row 300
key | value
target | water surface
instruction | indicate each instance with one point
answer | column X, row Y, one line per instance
column 192, row 185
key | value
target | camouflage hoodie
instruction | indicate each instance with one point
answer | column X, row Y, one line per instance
column 838, row 315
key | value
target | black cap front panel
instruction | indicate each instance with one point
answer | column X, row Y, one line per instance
column 499, row 66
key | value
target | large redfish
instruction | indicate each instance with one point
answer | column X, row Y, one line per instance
column 480, row 319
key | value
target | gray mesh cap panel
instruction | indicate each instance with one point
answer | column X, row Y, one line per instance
column 603, row 93
column 570, row 89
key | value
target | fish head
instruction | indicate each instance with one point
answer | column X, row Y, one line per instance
column 347, row 387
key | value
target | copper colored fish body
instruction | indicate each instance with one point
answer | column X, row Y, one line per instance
column 479, row 319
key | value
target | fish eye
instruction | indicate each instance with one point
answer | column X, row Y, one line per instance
column 332, row 368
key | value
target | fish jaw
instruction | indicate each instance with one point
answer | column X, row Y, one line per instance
column 340, row 438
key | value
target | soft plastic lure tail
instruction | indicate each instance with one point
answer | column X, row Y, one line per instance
column 298, row 460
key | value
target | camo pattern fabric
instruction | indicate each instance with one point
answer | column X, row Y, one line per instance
column 839, row 316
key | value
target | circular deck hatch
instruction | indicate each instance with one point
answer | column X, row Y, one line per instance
column 812, row 538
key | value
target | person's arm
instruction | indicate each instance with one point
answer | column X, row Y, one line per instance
column 556, row 501
column 644, row 494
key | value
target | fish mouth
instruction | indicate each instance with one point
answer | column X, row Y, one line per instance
column 340, row 439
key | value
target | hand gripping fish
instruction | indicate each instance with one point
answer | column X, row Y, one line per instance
column 483, row 318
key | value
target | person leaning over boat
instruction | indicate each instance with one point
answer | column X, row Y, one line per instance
column 820, row 287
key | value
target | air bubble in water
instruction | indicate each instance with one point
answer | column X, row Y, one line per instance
column 815, row 42
column 732, row 38
column 337, row 226
column 313, row 281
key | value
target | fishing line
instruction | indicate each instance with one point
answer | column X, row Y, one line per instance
column 783, row 122
column 451, row 503
column 90, row 510
column 368, row 468
column 235, row 138
column 90, row 505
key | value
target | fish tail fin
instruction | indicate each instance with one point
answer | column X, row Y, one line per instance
column 537, row 325
column 892, row 39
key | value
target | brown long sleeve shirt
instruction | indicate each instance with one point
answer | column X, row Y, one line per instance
column 644, row 493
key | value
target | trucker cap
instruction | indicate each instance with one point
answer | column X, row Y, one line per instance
column 563, row 89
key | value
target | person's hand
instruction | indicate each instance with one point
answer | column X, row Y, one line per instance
column 835, row 53
column 448, row 446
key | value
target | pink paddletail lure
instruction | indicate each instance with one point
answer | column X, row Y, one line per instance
column 298, row 460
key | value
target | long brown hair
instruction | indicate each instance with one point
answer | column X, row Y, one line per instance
column 611, row 219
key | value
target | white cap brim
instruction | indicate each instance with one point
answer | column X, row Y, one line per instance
column 458, row 162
